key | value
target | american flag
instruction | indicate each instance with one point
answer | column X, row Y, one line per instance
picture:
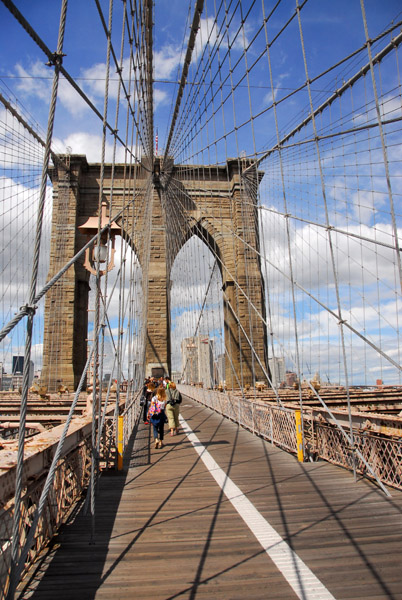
column 156, row 143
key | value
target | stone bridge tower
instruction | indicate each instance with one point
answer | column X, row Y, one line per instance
column 214, row 202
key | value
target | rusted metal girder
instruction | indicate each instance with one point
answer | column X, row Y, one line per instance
column 39, row 451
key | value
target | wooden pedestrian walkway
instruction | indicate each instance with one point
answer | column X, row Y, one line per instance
column 278, row 529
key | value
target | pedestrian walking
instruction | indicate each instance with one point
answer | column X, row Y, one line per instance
column 149, row 392
column 157, row 415
column 173, row 401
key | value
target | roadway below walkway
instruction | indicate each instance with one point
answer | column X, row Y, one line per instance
column 221, row 514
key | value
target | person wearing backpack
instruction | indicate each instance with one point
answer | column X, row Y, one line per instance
column 173, row 401
column 157, row 416
column 148, row 393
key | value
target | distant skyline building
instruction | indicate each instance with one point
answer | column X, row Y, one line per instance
column 278, row 371
column 290, row 378
column 220, row 376
column 197, row 360
column 176, row 376
column 13, row 381
column 18, row 364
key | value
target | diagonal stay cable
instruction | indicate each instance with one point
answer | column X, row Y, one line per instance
column 25, row 310
column 52, row 56
column 30, row 307
column 56, row 159
column 52, row 471
column 296, row 284
column 396, row 41
column 252, row 348
column 190, row 47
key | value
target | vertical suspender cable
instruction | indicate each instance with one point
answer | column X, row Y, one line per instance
column 384, row 149
column 287, row 225
column 190, row 47
column 97, row 398
column 331, row 248
column 31, row 308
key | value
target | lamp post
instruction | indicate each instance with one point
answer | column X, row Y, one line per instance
column 101, row 252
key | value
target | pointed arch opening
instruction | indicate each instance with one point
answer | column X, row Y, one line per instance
column 196, row 314
column 123, row 310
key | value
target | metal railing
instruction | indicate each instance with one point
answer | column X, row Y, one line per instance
column 384, row 454
column 377, row 438
column 69, row 484
column 271, row 422
column 71, row 478
column 131, row 415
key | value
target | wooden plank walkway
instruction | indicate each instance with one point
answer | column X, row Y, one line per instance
column 165, row 529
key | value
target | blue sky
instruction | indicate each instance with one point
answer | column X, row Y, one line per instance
column 331, row 31
column 357, row 195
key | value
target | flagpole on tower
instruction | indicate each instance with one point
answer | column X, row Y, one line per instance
column 156, row 142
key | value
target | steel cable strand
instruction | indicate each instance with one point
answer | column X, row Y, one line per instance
column 57, row 161
column 234, row 209
column 330, row 241
column 187, row 117
column 279, row 401
column 119, row 67
column 133, row 224
column 324, row 306
column 96, row 398
column 24, row 310
column 117, row 350
column 102, row 413
column 396, row 41
column 383, row 145
column 31, row 308
column 177, row 81
column 249, row 208
column 300, row 287
column 333, row 228
column 51, row 473
column 51, row 56
column 177, row 227
column 190, row 47
column 202, row 237
column 133, row 310
column 197, row 228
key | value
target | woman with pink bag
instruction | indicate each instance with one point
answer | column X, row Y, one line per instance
column 157, row 416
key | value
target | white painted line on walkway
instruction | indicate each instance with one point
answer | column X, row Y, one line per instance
column 303, row 581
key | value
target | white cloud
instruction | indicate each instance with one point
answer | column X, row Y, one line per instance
column 268, row 98
column 71, row 99
column 366, row 275
column 18, row 150
column 208, row 33
column 94, row 79
column 89, row 144
column 235, row 38
column 35, row 81
column 390, row 108
column 18, row 218
column 166, row 62
column 160, row 97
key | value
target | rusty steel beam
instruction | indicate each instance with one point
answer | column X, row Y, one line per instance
column 39, row 452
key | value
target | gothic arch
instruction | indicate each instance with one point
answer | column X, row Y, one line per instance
column 220, row 213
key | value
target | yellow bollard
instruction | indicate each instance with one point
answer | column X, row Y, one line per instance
column 299, row 436
column 119, row 443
